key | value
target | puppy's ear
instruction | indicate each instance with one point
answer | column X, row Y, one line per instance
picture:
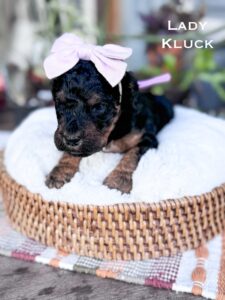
column 129, row 90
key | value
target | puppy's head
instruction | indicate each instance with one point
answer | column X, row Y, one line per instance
column 87, row 108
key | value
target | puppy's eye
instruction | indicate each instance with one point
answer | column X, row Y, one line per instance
column 70, row 104
column 99, row 108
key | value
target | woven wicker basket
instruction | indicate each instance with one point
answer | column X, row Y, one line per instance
column 124, row 231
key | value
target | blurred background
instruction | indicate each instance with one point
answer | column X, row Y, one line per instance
column 28, row 28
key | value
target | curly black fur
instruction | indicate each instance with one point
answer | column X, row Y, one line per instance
column 90, row 116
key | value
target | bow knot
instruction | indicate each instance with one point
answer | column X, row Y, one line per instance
column 68, row 49
column 84, row 52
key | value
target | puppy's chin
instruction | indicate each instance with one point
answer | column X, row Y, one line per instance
column 81, row 153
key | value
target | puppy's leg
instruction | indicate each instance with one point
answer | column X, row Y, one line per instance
column 121, row 177
column 63, row 172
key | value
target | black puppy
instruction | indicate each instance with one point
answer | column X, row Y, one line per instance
column 93, row 116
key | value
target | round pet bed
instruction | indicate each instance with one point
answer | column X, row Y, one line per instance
column 177, row 201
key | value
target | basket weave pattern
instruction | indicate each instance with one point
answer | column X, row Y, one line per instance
column 123, row 231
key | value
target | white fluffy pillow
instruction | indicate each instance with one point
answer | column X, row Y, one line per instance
column 190, row 160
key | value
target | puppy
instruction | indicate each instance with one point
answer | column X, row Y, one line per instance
column 94, row 116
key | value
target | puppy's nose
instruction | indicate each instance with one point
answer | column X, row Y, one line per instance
column 72, row 141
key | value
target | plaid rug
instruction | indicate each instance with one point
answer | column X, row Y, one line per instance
column 200, row 272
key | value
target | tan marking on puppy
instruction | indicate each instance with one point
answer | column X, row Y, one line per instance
column 60, row 95
column 94, row 100
column 112, row 126
column 121, row 177
column 63, row 172
column 127, row 142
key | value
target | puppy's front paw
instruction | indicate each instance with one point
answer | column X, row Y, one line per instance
column 57, row 179
column 120, row 180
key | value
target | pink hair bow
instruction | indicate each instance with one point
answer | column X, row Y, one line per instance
column 68, row 49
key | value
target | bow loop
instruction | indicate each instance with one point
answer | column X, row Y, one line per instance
column 65, row 42
column 68, row 49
